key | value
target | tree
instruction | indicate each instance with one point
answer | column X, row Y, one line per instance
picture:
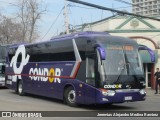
column 10, row 31
column 30, row 13
column 23, row 28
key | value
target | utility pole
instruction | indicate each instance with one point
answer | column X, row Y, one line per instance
column 66, row 19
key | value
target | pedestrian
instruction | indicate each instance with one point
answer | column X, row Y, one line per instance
column 157, row 78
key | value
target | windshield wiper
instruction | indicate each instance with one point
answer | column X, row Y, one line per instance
column 122, row 70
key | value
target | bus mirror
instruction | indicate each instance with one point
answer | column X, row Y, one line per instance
column 151, row 52
column 102, row 53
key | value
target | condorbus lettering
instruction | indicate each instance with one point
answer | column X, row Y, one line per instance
column 113, row 86
column 43, row 74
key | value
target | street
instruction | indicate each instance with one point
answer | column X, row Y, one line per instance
column 10, row 101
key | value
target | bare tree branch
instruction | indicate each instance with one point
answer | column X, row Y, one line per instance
column 29, row 16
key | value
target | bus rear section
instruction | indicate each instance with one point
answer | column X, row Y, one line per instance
column 83, row 68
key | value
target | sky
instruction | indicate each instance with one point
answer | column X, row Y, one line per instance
column 52, row 21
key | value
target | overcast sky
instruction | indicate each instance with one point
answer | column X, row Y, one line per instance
column 78, row 14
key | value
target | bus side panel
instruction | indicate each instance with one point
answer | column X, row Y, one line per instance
column 90, row 94
column 47, row 86
column 56, row 90
column 47, row 89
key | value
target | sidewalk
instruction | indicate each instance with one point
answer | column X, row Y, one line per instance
column 150, row 92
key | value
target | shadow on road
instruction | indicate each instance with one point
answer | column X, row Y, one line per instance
column 3, row 88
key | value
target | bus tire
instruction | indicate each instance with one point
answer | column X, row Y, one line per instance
column 20, row 88
column 70, row 96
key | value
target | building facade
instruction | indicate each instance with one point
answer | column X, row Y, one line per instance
column 146, row 7
column 144, row 31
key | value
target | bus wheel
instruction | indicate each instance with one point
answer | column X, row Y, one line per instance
column 20, row 88
column 70, row 96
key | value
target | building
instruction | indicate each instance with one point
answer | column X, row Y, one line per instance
column 144, row 31
column 146, row 7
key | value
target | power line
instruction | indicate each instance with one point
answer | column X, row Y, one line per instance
column 70, row 5
column 52, row 24
column 122, row 1
column 113, row 10
column 123, row 7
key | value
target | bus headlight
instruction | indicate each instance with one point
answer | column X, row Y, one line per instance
column 108, row 92
column 142, row 92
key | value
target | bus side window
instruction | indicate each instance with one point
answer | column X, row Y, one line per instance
column 90, row 71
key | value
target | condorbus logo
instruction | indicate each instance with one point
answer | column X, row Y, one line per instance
column 25, row 58
column 113, row 86
column 41, row 74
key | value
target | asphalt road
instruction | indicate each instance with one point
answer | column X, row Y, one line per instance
column 10, row 101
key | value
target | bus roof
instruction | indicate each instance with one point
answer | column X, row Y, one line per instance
column 66, row 37
column 79, row 34
column 88, row 34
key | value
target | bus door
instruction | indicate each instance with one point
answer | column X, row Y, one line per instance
column 90, row 76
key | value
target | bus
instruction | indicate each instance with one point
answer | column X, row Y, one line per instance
column 79, row 68
column 2, row 76
column 3, row 49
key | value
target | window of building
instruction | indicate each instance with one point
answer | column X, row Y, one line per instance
column 150, row 3
column 146, row 12
column 155, row 2
column 150, row 11
column 154, row 6
column 150, row 7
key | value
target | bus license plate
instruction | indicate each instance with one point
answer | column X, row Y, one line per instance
column 128, row 98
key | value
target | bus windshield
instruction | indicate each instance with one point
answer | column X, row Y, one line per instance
column 121, row 60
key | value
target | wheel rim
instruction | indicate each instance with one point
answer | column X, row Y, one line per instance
column 72, row 96
column 20, row 88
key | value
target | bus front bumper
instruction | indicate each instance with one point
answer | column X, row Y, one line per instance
column 121, row 96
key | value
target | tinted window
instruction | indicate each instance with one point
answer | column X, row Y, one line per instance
column 51, row 51
column 81, row 44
